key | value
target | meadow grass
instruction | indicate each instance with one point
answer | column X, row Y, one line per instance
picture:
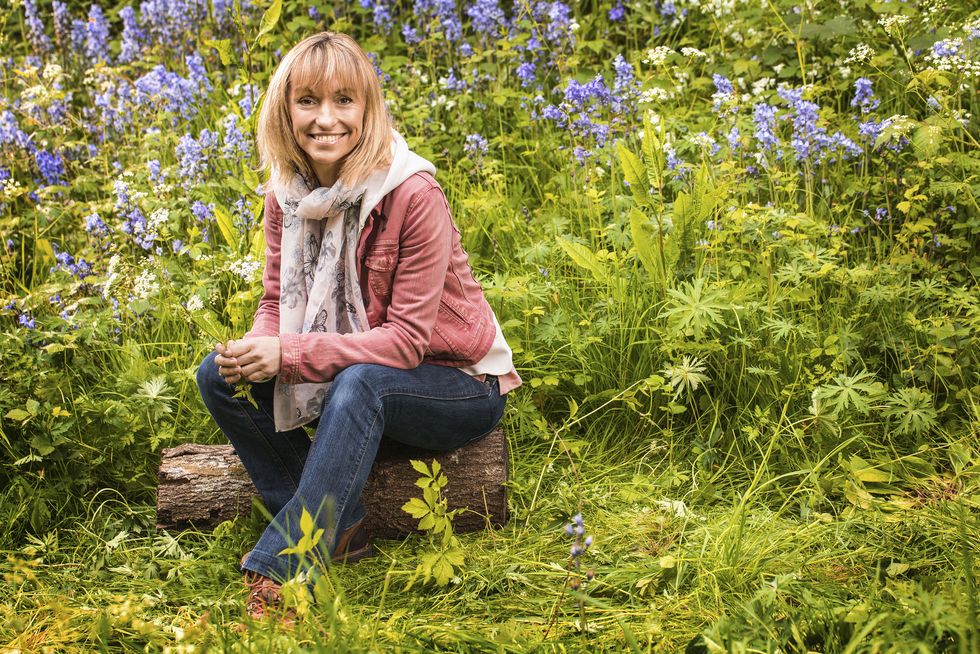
column 737, row 265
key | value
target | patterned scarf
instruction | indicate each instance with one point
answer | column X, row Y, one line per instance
column 319, row 289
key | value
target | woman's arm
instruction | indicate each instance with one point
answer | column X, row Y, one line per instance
column 266, row 320
column 425, row 247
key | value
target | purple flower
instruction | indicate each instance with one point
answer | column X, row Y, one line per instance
column 97, row 35
column 313, row 12
column 95, row 225
column 203, row 212
column 734, row 138
column 35, row 28
column 486, row 18
column 617, row 13
column 10, row 132
column 132, row 36
column 476, row 146
column 51, row 167
column 26, row 321
column 764, row 117
column 864, row 95
column 526, row 72
column 410, row 35
column 62, row 23
column 945, row 48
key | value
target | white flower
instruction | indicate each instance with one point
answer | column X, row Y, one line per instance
column 891, row 22
column 692, row 52
column 246, row 268
column 146, row 285
column 158, row 218
column 658, row 55
column 194, row 303
column 859, row 54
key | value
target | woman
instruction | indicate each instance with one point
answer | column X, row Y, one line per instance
column 371, row 322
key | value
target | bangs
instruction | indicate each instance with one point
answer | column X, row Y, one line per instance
column 329, row 63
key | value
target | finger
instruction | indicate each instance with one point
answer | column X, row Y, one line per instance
column 223, row 360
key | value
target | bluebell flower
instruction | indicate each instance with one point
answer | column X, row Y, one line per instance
column 202, row 212
column 133, row 37
column 78, row 34
column 486, row 18
column 864, row 95
column 870, row 129
column 236, row 142
column 26, row 321
column 197, row 73
column 313, row 12
column 95, row 225
column 475, row 147
column 945, row 48
column 382, row 17
column 10, row 132
column 410, row 35
column 527, row 73
column 35, row 28
column 97, row 35
column 617, row 13
column 734, row 138
column 764, row 118
column 51, row 166
column 153, row 166
column 62, row 23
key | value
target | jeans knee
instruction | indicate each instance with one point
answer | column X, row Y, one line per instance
column 356, row 383
column 208, row 379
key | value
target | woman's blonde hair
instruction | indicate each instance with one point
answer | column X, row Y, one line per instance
column 338, row 57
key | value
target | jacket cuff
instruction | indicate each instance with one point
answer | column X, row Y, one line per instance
column 289, row 369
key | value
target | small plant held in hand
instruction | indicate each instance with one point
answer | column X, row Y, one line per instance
column 434, row 517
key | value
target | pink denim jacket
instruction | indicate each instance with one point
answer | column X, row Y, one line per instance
column 422, row 302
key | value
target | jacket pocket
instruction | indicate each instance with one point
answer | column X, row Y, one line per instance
column 458, row 330
column 380, row 263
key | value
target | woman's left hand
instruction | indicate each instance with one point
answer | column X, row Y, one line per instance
column 259, row 357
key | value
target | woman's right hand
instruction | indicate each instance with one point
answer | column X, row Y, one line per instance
column 227, row 365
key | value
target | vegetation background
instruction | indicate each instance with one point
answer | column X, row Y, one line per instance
column 733, row 244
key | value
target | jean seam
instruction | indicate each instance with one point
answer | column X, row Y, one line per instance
column 261, row 435
column 342, row 505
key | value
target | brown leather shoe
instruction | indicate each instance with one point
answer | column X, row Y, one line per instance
column 353, row 545
column 265, row 600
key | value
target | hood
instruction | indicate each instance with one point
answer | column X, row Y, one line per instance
column 404, row 164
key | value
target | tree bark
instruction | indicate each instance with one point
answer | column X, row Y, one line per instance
column 203, row 485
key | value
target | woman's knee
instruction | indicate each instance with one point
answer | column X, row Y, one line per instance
column 357, row 383
column 208, row 379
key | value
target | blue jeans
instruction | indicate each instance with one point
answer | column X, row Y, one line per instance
column 432, row 407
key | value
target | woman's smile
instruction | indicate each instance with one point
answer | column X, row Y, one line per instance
column 327, row 124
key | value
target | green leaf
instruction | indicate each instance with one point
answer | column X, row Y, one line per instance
column 18, row 414
column 306, row 523
column 269, row 18
column 225, row 225
column 584, row 258
column 634, row 173
column 644, row 244
column 420, row 467
column 223, row 46
column 415, row 507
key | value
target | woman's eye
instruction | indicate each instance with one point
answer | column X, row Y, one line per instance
column 344, row 99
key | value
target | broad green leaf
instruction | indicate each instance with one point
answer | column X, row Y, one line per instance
column 634, row 173
column 18, row 414
column 646, row 251
column 306, row 523
column 420, row 467
column 225, row 225
column 223, row 46
column 584, row 258
column 269, row 18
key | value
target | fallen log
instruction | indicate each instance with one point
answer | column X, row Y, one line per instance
column 201, row 486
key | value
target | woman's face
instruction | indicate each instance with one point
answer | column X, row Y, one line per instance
column 327, row 124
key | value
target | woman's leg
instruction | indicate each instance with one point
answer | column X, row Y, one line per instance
column 274, row 460
column 433, row 407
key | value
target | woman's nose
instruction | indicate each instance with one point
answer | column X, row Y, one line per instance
column 325, row 116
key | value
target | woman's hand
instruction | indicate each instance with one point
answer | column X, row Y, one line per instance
column 256, row 359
